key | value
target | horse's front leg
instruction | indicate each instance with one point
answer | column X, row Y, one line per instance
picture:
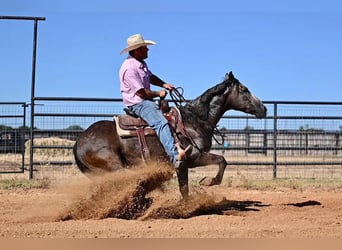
column 183, row 180
column 208, row 159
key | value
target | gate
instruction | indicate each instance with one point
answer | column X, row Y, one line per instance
column 13, row 134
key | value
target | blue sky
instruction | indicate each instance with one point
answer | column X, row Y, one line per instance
column 282, row 50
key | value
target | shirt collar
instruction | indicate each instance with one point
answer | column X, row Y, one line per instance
column 141, row 64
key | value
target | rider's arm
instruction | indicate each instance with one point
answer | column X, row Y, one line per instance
column 155, row 80
column 150, row 94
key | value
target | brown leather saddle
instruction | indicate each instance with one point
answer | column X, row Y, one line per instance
column 131, row 125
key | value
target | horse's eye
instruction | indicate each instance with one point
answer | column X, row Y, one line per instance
column 243, row 89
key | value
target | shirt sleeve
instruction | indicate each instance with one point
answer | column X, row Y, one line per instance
column 132, row 80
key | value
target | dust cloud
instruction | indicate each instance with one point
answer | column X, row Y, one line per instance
column 141, row 193
column 122, row 194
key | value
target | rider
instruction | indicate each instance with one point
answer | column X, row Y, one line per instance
column 135, row 80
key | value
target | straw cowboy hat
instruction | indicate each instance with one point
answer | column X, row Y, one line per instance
column 136, row 41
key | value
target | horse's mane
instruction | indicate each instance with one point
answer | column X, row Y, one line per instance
column 201, row 105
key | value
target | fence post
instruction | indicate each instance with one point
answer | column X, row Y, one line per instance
column 275, row 140
column 337, row 139
column 264, row 150
column 33, row 84
column 33, row 81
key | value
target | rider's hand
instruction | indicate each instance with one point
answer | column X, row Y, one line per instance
column 162, row 93
column 168, row 86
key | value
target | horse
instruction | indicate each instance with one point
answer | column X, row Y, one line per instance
column 100, row 149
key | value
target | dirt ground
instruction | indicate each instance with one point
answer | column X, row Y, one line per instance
column 147, row 204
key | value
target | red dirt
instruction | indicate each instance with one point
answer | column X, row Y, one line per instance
column 136, row 204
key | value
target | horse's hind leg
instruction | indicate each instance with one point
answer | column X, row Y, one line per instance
column 101, row 160
column 106, row 160
column 99, row 149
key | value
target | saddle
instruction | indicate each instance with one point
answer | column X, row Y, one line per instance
column 131, row 125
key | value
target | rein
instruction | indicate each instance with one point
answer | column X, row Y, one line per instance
column 177, row 97
column 217, row 132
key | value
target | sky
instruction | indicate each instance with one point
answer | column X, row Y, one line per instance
column 281, row 50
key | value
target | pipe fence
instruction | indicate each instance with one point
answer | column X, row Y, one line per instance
column 13, row 133
column 295, row 140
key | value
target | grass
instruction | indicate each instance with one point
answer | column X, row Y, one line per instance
column 24, row 184
column 240, row 181
column 268, row 183
column 292, row 183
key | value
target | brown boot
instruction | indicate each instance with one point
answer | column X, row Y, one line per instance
column 183, row 154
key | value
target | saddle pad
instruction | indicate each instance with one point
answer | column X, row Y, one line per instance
column 126, row 126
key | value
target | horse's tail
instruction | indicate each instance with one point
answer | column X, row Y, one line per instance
column 79, row 163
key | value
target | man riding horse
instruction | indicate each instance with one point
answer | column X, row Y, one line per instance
column 135, row 80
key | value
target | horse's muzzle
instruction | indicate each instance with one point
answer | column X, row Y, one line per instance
column 262, row 112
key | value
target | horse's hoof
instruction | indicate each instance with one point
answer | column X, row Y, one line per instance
column 206, row 181
column 184, row 190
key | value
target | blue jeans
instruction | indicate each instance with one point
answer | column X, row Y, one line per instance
column 149, row 111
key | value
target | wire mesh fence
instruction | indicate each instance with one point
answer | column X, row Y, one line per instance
column 295, row 140
column 12, row 136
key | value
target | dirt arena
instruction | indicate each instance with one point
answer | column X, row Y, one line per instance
column 146, row 204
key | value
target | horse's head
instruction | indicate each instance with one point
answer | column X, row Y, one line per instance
column 240, row 98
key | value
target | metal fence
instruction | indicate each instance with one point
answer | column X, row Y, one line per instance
column 13, row 133
column 296, row 139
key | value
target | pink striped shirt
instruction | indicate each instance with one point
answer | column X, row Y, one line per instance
column 134, row 76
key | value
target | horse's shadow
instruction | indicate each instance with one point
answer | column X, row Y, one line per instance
column 305, row 203
column 184, row 210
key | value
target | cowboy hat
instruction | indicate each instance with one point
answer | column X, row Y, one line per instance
column 136, row 41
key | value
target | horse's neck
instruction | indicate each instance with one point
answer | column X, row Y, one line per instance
column 216, row 111
column 209, row 113
column 211, row 105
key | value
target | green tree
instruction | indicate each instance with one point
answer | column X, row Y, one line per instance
column 248, row 128
column 307, row 128
column 4, row 127
column 24, row 128
column 74, row 127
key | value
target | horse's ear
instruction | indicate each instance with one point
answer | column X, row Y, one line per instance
column 226, row 77
column 229, row 76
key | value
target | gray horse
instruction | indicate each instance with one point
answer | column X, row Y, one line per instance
column 100, row 149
